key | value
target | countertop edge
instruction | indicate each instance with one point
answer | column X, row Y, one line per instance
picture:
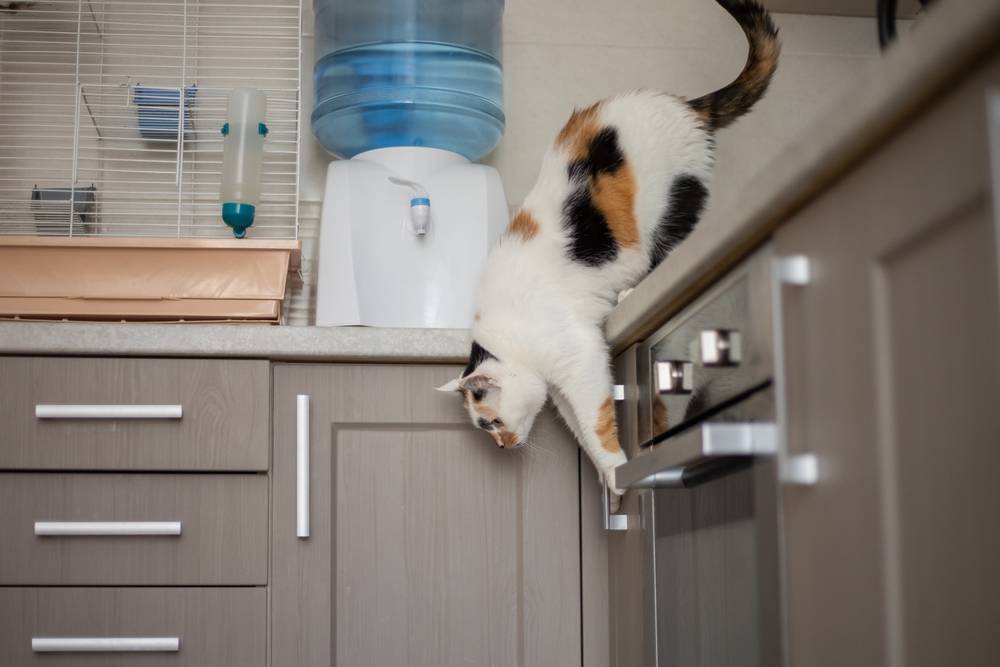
column 328, row 344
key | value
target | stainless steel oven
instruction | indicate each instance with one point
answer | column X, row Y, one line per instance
column 703, row 486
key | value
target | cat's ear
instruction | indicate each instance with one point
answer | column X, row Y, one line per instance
column 480, row 382
column 453, row 385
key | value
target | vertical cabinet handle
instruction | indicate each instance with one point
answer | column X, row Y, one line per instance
column 302, row 465
column 797, row 469
column 104, row 644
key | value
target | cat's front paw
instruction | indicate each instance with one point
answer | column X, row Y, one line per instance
column 614, row 493
column 614, row 502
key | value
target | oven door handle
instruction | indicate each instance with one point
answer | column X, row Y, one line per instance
column 694, row 455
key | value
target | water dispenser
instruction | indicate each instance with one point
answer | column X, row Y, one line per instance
column 409, row 93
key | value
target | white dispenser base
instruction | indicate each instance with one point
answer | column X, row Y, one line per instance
column 374, row 270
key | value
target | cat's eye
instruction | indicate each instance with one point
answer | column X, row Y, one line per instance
column 478, row 394
column 498, row 423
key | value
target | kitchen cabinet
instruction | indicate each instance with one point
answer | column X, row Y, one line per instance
column 893, row 381
column 212, row 414
column 134, row 499
column 194, row 627
column 426, row 544
column 219, row 533
column 630, row 597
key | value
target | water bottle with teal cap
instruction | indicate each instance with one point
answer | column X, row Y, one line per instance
column 243, row 154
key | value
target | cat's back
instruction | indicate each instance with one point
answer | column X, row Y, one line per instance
column 606, row 182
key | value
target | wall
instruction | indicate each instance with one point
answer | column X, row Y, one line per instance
column 562, row 53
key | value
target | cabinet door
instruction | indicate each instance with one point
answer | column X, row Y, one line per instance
column 893, row 381
column 428, row 546
column 630, row 590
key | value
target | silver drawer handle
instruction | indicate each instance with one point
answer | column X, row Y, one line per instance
column 106, row 528
column 104, row 644
column 676, row 461
column 302, row 465
column 109, row 411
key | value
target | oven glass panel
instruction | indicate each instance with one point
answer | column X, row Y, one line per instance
column 706, row 560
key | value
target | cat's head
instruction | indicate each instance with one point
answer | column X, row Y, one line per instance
column 501, row 398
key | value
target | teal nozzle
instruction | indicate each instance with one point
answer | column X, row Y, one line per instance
column 238, row 216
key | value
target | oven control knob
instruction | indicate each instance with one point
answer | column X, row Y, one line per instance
column 674, row 377
column 721, row 347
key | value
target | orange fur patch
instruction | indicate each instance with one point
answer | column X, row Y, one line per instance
column 579, row 130
column 659, row 416
column 704, row 117
column 486, row 413
column 614, row 196
column 523, row 225
column 508, row 438
column 607, row 426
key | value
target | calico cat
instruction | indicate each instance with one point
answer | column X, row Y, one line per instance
column 624, row 182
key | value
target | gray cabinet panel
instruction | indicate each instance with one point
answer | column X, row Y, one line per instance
column 594, row 566
column 893, row 383
column 630, row 592
column 217, row 627
column 428, row 546
column 223, row 536
column 224, row 425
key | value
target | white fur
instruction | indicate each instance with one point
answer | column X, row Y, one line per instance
column 541, row 313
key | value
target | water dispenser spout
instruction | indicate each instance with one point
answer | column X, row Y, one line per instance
column 420, row 205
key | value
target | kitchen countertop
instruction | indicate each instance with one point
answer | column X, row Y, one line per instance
column 949, row 41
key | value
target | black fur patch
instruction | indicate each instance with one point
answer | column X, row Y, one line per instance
column 591, row 240
column 477, row 355
column 687, row 199
column 604, row 155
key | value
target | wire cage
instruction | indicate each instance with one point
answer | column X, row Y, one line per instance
column 110, row 114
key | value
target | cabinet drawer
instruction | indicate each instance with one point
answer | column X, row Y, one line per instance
column 115, row 529
column 133, row 414
column 209, row 626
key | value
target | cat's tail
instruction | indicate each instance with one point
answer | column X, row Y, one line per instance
column 725, row 105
